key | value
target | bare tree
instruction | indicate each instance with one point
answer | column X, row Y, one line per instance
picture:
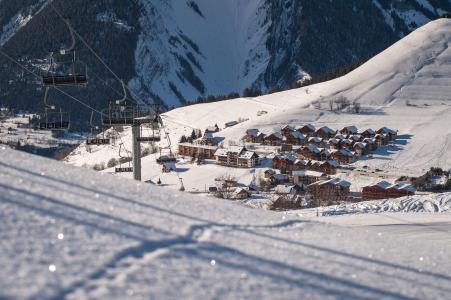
column 225, row 186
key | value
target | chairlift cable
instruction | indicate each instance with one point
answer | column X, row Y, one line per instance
column 92, row 50
column 55, row 87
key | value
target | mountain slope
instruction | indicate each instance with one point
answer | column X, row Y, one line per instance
column 174, row 51
column 72, row 233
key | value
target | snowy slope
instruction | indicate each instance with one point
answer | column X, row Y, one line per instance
column 416, row 69
column 76, row 234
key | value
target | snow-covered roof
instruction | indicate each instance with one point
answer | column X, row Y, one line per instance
column 307, row 173
column 387, row 130
column 327, row 130
column 284, row 189
column 355, row 137
column 360, row 145
column 289, row 127
column 351, row 129
column 313, row 148
column 277, row 135
column 308, row 126
column 341, row 136
column 302, row 162
column 248, row 154
column 297, row 135
column 198, row 146
column 346, row 152
column 333, row 163
column 221, row 152
column 369, row 131
column 384, row 184
column 315, row 139
column 333, row 181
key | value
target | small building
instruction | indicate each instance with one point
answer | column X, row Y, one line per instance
column 392, row 135
column 316, row 140
column 381, row 139
column 274, row 139
column 372, row 145
column 197, row 150
column 295, row 138
column 287, row 129
column 254, row 136
column 277, row 179
column 307, row 130
column 284, row 162
column 368, row 133
column 307, row 177
column 385, row 190
column 269, row 173
column 346, row 144
column 356, row 138
column 348, row 130
column 330, row 191
column 212, row 129
column 284, row 189
column 361, row 148
column 240, row 194
column 334, row 144
column 230, row 124
column 325, row 132
column 300, row 164
column 207, row 139
column 311, row 151
column 344, row 156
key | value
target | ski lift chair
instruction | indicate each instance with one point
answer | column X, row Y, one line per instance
column 74, row 77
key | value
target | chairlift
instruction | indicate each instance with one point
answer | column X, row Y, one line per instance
column 93, row 138
column 51, row 119
column 70, row 74
column 121, row 169
column 120, row 112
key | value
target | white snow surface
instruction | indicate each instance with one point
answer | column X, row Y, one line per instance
column 69, row 233
column 414, row 71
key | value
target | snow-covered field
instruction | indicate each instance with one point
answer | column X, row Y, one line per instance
column 415, row 71
column 76, row 234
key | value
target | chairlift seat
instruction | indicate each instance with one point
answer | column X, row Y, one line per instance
column 124, row 170
column 54, row 125
column 166, row 159
column 149, row 139
column 57, row 80
column 97, row 141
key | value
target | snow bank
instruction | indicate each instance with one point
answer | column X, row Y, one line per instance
column 426, row 203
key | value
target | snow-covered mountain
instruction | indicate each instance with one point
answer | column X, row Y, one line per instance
column 177, row 50
column 68, row 233
column 406, row 87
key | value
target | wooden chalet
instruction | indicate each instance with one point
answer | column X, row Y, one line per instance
column 274, row 139
column 385, row 190
column 300, row 164
column 356, row 138
column 307, row 177
column 197, row 150
column 348, row 130
column 361, row 148
column 295, row 138
column 287, row 129
column 392, row 135
column 368, row 133
column 277, row 179
column 325, row 132
column 381, row 139
column 284, row 163
column 240, row 194
column 316, row 140
column 312, row 152
column 307, row 130
column 343, row 156
column 330, row 191
column 372, row 145
column 346, row 144
column 254, row 136
column 334, row 144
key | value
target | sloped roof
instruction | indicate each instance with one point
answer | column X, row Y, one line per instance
column 327, row 129
column 308, row 173
column 351, row 129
